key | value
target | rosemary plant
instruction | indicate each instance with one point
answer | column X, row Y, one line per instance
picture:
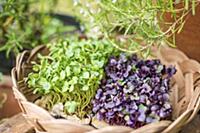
column 138, row 22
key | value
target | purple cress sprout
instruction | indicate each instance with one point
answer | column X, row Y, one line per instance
column 134, row 92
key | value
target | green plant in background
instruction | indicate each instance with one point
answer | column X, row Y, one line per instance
column 23, row 27
column 70, row 74
column 138, row 22
column 3, row 96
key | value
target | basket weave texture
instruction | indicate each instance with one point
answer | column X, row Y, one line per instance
column 185, row 97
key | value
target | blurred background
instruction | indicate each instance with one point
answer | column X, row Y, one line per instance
column 25, row 24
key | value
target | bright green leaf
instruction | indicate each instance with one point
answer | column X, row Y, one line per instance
column 65, row 87
column 160, row 68
column 46, row 86
column 62, row 75
column 74, row 80
column 94, row 74
column 71, row 106
column 86, row 75
column 98, row 63
column 68, row 71
column 69, row 53
column 76, row 70
column 85, row 88
column 71, row 88
column 55, row 78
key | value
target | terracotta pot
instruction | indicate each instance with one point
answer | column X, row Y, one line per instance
column 188, row 40
column 11, row 106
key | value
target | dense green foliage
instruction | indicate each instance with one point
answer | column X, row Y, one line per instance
column 70, row 74
column 141, row 21
column 23, row 26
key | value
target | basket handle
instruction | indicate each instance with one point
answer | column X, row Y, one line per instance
column 34, row 52
column 19, row 61
column 13, row 77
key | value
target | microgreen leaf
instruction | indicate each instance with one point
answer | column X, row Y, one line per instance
column 71, row 106
column 67, row 69
column 65, row 86
column 71, row 88
column 86, row 75
column 62, row 75
column 85, row 88
column 46, row 86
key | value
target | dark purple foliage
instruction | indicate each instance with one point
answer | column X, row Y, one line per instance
column 134, row 92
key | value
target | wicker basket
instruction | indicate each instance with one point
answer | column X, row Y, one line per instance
column 185, row 97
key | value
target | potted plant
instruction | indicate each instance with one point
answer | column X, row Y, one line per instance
column 144, row 22
column 23, row 27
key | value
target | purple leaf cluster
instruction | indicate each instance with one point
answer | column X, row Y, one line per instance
column 134, row 92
